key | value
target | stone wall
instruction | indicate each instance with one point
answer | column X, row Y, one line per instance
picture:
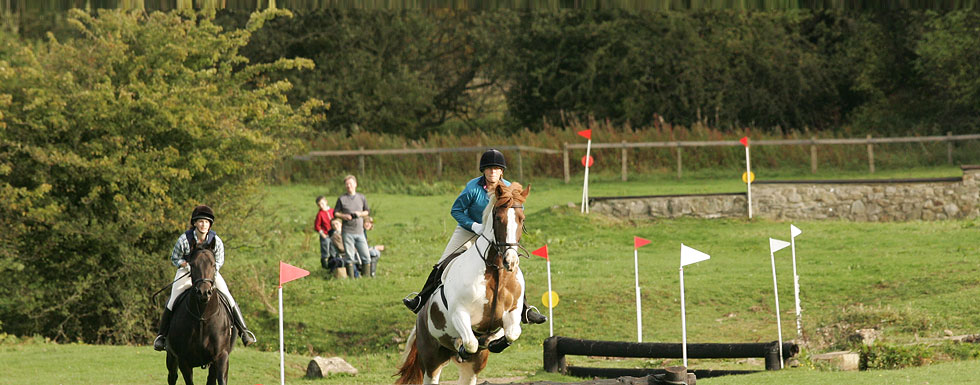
column 856, row 200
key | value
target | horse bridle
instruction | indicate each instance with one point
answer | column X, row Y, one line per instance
column 502, row 247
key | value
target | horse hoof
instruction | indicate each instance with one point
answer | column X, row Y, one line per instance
column 463, row 354
column 498, row 345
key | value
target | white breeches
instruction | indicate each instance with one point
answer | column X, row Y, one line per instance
column 185, row 283
column 461, row 240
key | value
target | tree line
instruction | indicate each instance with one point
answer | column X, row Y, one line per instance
column 414, row 73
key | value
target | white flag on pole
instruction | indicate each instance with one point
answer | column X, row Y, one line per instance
column 776, row 245
column 689, row 256
column 794, row 231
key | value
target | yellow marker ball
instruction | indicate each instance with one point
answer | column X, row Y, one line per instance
column 554, row 299
column 751, row 175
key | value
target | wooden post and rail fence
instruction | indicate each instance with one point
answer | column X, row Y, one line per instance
column 557, row 347
column 678, row 147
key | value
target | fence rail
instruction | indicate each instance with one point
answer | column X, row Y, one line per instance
column 949, row 138
column 868, row 141
column 360, row 153
column 557, row 347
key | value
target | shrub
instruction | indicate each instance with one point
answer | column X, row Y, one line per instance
column 107, row 140
column 886, row 356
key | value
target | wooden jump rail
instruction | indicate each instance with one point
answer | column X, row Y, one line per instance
column 557, row 347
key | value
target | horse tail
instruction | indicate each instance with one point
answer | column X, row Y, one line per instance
column 410, row 370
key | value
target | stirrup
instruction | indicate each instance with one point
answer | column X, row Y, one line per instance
column 248, row 338
column 411, row 295
column 408, row 301
column 527, row 316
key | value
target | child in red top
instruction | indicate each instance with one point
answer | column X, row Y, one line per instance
column 322, row 226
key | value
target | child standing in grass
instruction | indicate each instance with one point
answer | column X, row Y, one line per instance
column 323, row 228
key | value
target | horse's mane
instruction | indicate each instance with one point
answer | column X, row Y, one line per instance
column 509, row 196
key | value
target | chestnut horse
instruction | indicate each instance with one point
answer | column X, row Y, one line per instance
column 478, row 306
column 201, row 332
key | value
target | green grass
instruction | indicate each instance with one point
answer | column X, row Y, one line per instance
column 910, row 280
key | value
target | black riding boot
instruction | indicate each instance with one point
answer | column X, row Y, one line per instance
column 431, row 283
column 530, row 315
column 247, row 337
column 160, row 343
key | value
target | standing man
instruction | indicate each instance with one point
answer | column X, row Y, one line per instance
column 352, row 208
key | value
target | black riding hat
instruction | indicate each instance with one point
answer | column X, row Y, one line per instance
column 492, row 158
column 202, row 212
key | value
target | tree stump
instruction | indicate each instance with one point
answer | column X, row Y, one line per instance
column 321, row 367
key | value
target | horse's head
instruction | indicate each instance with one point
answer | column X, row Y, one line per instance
column 508, row 221
column 203, row 270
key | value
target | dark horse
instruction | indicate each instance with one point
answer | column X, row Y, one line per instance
column 201, row 332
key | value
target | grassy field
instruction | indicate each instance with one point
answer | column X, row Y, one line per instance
column 913, row 281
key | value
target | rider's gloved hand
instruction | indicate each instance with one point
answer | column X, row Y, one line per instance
column 477, row 228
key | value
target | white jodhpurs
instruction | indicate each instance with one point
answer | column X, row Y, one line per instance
column 182, row 284
column 461, row 240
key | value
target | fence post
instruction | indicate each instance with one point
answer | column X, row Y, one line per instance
column 813, row 155
column 520, row 165
column 680, row 168
column 624, row 160
column 772, row 357
column 564, row 157
column 360, row 161
column 949, row 147
column 439, row 165
column 479, row 155
column 554, row 362
column 871, row 155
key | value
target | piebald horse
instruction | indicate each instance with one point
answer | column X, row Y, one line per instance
column 479, row 303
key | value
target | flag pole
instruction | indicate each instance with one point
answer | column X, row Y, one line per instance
column 748, row 176
column 639, row 316
column 794, row 231
column 779, row 325
column 551, row 317
column 585, row 182
column 282, row 354
column 683, row 319
column 287, row 273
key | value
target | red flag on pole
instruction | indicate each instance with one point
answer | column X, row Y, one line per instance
column 744, row 141
column 289, row 272
column 587, row 134
column 639, row 242
column 541, row 252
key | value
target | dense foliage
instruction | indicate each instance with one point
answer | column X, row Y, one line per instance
column 108, row 138
column 412, row 73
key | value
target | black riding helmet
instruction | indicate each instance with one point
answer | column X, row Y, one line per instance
column 202, row 212
column 492, row 158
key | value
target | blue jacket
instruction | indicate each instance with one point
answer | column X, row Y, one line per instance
column 470, row 203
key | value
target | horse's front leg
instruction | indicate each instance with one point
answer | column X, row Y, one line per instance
column 188, row 373
column 462, row 323
column 512, row 322
column 218, row 372
column 508, row 334
column 171, row 369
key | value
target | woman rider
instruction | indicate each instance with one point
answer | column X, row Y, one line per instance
column 201, row 234
column 468, row 212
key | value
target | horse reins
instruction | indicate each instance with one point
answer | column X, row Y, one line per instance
column 153, row 298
